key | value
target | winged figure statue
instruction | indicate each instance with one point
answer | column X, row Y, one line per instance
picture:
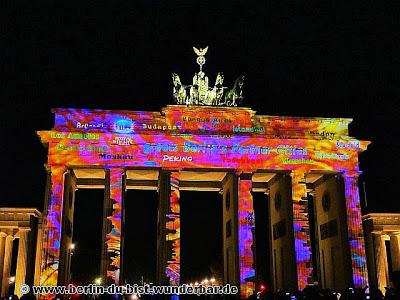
column 201, row 51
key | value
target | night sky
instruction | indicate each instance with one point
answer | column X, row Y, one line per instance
column 300, row 58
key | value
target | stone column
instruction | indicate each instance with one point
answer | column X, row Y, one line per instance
column 107, row 212
column 246, row 227
column 380, row 261
column 38, row 257
column 173, row 226
column 2, row 251
column 301, row 229
column 7, row 265
column 238, row 230
column 230, row 230
column 395, row 251
column 114, row 236
column 67, row 229
column 52, row 220
column 164, row 191
column 21, row 261
column 355, row 230
column 283, row 253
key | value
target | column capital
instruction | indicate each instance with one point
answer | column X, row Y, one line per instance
column 298, row 173
column 298, row 177
column 172, row 169
column 10, row 237
column 47, row 167
column 3, row 234
column 56, row 168
column 351, row 173
column 377, row 233
column 22, row 231
column 239, row 172
column 108, row 168
column 245, row 175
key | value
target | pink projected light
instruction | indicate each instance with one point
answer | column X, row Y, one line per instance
column 355, row 233
column 114, row 237
column 174, row 231
column 52, row 228
column 301, row 229
column 246, row 228
column 183, row 137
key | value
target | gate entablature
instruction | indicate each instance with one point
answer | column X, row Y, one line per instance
column 208, row 120
column 200, row 137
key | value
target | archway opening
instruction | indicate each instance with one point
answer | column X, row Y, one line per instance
column 201, row 236
column 140, row 236
column 87, row 236
column 262, row 239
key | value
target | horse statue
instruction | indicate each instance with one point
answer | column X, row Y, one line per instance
column 179, row 90
column 219, row 88
column 200, row 94
column 215, row 94
column 193, row 95
column 235, row 95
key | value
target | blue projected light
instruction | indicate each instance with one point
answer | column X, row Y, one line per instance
column 124, row 126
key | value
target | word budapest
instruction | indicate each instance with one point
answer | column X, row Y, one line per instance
column 223, row 149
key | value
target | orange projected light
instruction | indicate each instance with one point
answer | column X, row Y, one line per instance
column 194, row 137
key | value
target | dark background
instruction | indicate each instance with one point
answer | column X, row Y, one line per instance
column 302, row 58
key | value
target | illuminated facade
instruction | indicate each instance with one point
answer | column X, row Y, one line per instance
column 22, row 225
column 382, row 237
column 207, row 143
column 226, row 149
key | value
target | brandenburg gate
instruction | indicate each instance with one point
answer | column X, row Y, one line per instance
column 207, row 142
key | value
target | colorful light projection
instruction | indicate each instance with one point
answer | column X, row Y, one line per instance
column 52, row 227
column 173, row 225
column 301, row 229
column 246, row 229
column 355, row 230
column 191, row 151
column 193, row 137
column 114, row 236
column 199, row 120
